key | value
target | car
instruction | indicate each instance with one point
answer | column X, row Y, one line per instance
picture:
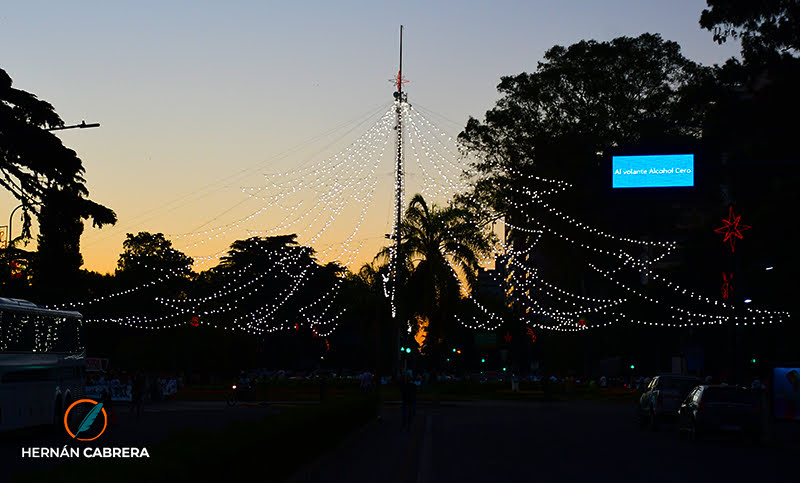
column 662, row 398
column 720, row 409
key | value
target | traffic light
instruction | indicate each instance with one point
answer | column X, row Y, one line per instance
column 753, row 360
column 633, row 366
column 483, row 361
column 454, row 349
column 408, row 350
column 402, row 349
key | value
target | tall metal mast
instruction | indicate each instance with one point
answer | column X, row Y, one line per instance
column 400, row 99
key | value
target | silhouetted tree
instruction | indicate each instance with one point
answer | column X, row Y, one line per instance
column 147, row 256
column 582, row 100
column 766, row 28
column 47, row 178
column 16, row 273
column 58, row 258
column 753, row 122
column 437, row 245
column 560, row 121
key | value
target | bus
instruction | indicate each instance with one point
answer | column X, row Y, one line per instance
column 42, row 363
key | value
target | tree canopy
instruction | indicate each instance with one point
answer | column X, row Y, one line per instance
column 34, row 162
column 437, row 245
column 580, row 101
column 147, row 254
column 766, row 27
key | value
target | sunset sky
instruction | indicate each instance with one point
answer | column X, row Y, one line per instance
column 199, row 99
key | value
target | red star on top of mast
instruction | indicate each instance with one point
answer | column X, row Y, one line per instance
column 399, row 81
column 732, row 228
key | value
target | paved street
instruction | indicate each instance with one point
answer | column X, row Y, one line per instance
column 473, row 441
column 538, row 441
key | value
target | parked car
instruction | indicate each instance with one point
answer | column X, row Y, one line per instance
column 662, row 398
column 718, row 410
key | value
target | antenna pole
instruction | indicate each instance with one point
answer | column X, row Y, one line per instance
column 400, row 72
column 400, row 100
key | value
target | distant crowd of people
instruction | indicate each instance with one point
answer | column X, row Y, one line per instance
column 122, row 386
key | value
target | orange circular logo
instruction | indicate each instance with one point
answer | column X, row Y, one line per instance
column 88, row 421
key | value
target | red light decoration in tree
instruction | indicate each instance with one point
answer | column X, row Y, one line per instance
column 195, row 321
column 732, row 228
column 507, row 337
column 531, row 334
column 727, row 285
column 582, row 323
column 16, row 269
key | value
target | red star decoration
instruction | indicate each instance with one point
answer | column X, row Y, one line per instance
column 732, row 228
column 507, row 337
column 582, row 323
column 399, row 81
column 296, row 326
column 727, row 285
column 195, row 321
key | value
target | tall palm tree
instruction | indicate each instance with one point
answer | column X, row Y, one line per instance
column 440, row 250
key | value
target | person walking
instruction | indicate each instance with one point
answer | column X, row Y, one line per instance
column 408, row 391
column 109, row 406
column 138, row 393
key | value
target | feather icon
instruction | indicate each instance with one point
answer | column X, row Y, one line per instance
column 89, row 419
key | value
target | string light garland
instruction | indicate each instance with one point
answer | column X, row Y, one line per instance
column 346, row 178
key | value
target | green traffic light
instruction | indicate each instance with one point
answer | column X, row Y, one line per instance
column 448, row 359
column 753, row 360
column 408, row 350
column 633, row 367
column 402, row 349
column 454, row 349
column 504, row 369
column 483, row 360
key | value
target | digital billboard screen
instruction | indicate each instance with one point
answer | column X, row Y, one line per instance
column 786, row 392
column 652, row 171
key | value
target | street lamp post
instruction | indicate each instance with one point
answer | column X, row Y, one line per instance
column 10, row 219
column 82, row 125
